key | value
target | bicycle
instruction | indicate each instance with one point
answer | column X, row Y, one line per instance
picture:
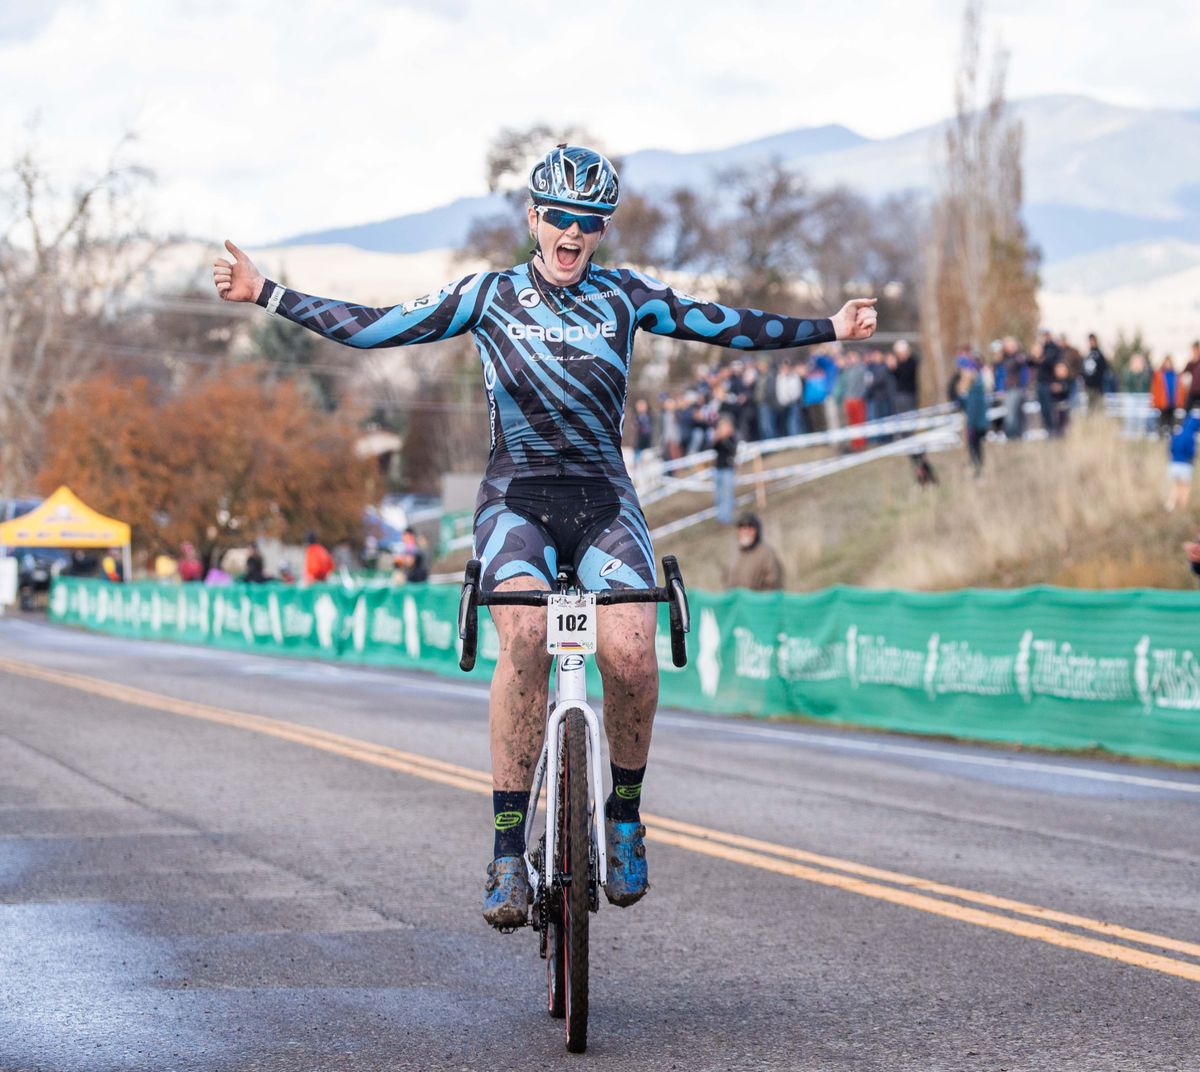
column 569, row 864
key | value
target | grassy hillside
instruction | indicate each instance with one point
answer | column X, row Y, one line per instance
column 1086, row 512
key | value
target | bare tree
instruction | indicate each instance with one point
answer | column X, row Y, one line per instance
column 764, row 241
column 440, row 410
column 322, row 369
column 66, row 264
column 983, row 281
column 690, row 230
column 637, row 233
column 936, row 377
column 889, row 261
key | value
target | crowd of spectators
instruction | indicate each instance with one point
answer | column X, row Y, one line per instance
column 792, row 392
column 784, row 394
column 1063, row 380
column 788, row 393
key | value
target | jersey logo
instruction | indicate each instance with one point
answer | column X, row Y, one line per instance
column 419, row 303
column 570, row 333
column 611, row 566
column 529, row 298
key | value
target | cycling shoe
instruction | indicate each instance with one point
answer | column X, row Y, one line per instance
column 627, row 881
column 506, row 893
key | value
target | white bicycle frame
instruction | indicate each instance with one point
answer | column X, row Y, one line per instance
column 570, row 692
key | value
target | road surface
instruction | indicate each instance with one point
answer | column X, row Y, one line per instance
column 219, row 861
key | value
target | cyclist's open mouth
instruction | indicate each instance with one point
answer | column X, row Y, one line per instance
column 567, row 255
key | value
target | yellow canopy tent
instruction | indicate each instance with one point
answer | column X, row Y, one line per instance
column 64, row 520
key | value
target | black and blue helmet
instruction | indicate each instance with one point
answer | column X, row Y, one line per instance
column 572, row 177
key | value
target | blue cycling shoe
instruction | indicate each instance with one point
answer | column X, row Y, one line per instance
column 627, row 880
column 506, row 893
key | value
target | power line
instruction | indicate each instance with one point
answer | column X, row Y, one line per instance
column 195, row 357
column 399, row 401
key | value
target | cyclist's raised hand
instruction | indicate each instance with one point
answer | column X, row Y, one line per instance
column 237, row 280
column 856, row 319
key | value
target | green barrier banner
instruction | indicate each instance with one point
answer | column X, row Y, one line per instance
column 413, row 626
column 454, row 525
column 1051, row 667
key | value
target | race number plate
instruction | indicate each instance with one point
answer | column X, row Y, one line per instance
column 571, row 624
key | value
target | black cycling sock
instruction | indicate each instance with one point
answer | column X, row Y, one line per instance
column 509, row 808
column 625, row 800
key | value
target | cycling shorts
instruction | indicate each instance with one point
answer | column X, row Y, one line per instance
column 529, row 526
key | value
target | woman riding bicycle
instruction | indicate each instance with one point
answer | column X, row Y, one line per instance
column 555, row 336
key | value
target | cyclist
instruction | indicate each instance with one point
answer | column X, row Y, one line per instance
column 555, row 335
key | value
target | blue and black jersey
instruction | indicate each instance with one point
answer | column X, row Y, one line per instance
column 555, row 360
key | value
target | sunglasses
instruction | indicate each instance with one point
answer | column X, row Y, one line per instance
column 562, row 219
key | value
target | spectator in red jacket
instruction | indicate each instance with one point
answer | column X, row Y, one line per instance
column 190, row 566
column 1167, row 394
column 318, row 562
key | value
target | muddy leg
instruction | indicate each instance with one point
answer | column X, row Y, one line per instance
column 628, row 665
column 517, row 708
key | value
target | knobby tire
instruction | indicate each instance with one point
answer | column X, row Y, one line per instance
column 556, row 976
column 576, row 897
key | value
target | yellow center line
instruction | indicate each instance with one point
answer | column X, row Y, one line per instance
column 1023, row 928
column 734, row 848
column 927, row 886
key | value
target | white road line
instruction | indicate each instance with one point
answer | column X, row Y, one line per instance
column 273, row 666
column 887, row 748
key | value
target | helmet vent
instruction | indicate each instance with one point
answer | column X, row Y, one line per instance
column 574, row 176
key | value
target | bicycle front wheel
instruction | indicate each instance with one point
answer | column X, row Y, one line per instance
column 575, row 868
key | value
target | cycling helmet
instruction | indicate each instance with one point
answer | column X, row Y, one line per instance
column 570, row 176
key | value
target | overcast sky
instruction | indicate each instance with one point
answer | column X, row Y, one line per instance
column 263, row 119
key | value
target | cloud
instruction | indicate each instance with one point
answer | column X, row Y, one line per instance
column 25, row 21
column 264, row 119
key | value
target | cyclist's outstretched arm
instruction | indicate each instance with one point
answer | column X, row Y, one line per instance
column 665, row 311
column 452, row 311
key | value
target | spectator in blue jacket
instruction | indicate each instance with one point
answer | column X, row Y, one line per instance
column 1182, row 457
column 973, row 399
column 819, row 379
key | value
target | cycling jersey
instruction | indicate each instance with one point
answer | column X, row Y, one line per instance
column 555, row 362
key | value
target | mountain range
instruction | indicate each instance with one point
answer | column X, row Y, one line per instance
column 1097, row 176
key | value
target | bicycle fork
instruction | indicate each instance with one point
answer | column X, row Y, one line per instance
column 569, row 694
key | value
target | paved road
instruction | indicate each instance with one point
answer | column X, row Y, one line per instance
column 218, row 861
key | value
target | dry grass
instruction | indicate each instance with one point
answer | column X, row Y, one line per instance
column 1036, row 502
column 1082, row 512
column 1085, row 511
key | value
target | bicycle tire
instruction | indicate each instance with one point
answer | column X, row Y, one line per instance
column 576, row 900
column 556, row 982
